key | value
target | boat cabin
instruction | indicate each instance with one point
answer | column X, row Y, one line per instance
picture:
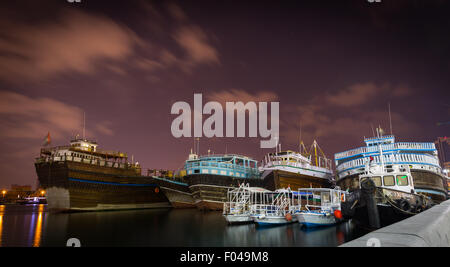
column 396, row 177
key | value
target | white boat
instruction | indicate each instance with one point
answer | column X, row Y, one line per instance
column 237, row 207
column 322, row 206
column 298, row 169
column 276, row 208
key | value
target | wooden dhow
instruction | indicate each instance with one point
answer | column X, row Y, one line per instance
column 80, row 177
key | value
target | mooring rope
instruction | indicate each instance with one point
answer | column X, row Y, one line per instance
column 388, row 199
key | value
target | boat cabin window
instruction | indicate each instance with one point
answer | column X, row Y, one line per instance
column 325, row 197
column 376, row 180
column 388, row 180
column 402, row 180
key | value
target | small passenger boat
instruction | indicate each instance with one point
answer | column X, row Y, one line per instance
column 322, row 206
column 276, row 208
column 237, row 207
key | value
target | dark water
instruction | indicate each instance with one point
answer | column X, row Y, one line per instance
column 32, row 225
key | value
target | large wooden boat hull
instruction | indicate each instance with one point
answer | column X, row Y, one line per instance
column 425, row 182
column 210, row 191
column 75, row 186
column 278, row 179
column 177, row 192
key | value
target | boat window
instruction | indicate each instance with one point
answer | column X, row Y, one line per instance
column 325, row 197
column 388, row 180
column 376, row 180
column 402, row 180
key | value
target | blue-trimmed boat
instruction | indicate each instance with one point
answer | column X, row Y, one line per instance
column 275, row 207
column 421, row 158
column 320, row 207
column 211, row 176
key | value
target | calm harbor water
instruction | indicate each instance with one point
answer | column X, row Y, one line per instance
column 33, row 225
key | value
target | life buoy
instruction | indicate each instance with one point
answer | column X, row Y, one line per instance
column 288, row 217
column 337, row 214
column 156, row 190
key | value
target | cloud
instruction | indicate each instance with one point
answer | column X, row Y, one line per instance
column 196, row 44
column 235, row 95
column 75, row 42
column 350, row 112
column 23, row 117
column 354, row 95
column 361, row 93
column 81, row 42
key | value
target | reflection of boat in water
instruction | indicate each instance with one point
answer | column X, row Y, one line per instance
column 275, row 208
column 386, row 194
column 324, row 209
column 33, row 200
column 239, row 200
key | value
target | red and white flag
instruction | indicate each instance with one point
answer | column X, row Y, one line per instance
column 47, row 140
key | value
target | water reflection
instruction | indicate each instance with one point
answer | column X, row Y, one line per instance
column 2, row 211
column 38, row 227
column 34, row 226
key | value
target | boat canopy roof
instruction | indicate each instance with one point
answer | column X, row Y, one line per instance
column 257, row 190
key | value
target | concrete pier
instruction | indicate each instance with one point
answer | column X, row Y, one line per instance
column 430, row 228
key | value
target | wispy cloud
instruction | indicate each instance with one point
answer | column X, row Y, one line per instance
column 235, row 95
column 349, row 112
column 24, row 117
column 82, row 42
column 77, row 41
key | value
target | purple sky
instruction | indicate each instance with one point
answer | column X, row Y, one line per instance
column 333, row 66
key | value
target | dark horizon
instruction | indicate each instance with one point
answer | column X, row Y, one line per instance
column 334, row 66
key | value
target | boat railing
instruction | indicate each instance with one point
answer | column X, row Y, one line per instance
column 106, row 153
column 235, row 208
column 92, row 161
column 267, row 209
column 386, row 147
column 322, row 162
column 399, row 158
column 218, row 165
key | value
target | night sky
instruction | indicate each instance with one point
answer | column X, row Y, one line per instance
column 332, row 65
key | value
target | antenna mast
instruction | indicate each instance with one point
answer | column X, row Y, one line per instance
column 300, row 137
column 84, row 125
column 390, row 120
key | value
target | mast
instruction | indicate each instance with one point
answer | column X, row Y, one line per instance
column 315, row 151
column 276, row 144
column 390, row 119
column 381, row 150
column 84, row 125
column 300, row 139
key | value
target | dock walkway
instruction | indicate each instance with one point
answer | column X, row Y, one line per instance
column 430, row 228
